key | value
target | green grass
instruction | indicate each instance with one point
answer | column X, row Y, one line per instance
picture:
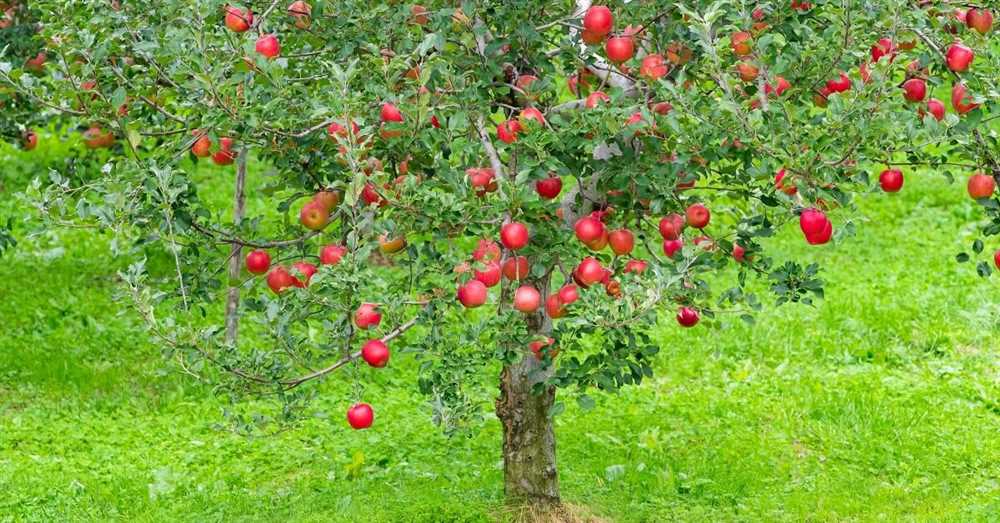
column 881, row 403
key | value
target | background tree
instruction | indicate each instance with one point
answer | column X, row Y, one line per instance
column 593, row 166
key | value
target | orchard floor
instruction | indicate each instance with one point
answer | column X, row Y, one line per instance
column 880, row 404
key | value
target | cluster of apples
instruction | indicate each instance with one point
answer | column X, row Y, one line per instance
column 240, row 20
column 204, row 148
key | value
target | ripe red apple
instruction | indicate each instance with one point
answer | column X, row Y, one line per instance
column 635, row 266
column 507, row 131
column 961, row 100
column 30, row 141
column 884, row 47
column 554, row 307
column 538, row 347
column 332, row 254
column 486, row 251
column 238, row 20
column 314, row 216
column 996, row 259
column 599, row 243
column 839, row 85
column 698, row 216
column 598, row 20
column 36, row 64
column 747, row 71
column 779, row 183
column 891, row 180
column 472, row 294
column 671, row 247
column 202, row 147
column 568, row 294
column 549, row 188
column 97, row 138
column 595, row 98
column 619, row 48
column 621, row 241
column 375, row 353
column 959, row 57
column 514, row 235
column 653, row 67
column 589, row 229
column 258, row 262
column 280, row 279
column 531, row 114
column 306, row 269
column 527, row 299
column 489, row 276
column 268, row 46
column 742, row 43
column 914, row 90
column 687, row 317
column 671, row 226
column 390, row 113
column 589, row 271
column 739, row 253
column 815, row 226
column 981, row 186
column 300, row 11
column 936, row 108
column 516, row 268
column 780, row 86
column 367, row 316
column 591, row 38
column 225, row 155
column 482, row 179
column 979, row 19
column 360, row 416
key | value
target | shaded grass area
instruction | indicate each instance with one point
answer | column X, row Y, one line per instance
column 881, row 403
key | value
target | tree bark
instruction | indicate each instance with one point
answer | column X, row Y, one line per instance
column 236, row 251
column 529, row 441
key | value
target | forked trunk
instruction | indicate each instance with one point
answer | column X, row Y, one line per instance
column 529, row 441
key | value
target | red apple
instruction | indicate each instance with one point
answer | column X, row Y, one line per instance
column 482, row 180
column 653, row 67
column 981, row 186
column 891, row 180
column 671, row 247
column 268, row 46
column 390, row 245
column 884, row 47
column 568, row 294
column 30, row 141
column 591, row 38
column 779, row 183
column 238, row 20
column 332, row 254
column 97, row 138
column 280, row 279
column 507, row 131
column 314, row 216
column 486, row 251
column 698, row 216
column 961, row 100
column 375, row 353
column 538, row 348
column 258, row 262
column 598, row 20
column 515, row 268
column 621, row 241
column 996, row 259
column 306, row 269
column 914, row 90
column 36, row 64
column 390, row 113
column 840, row 85
column 554, row 307
column 595, row 98
column 979, row 19
column 747, row 71
column 815, row 226
column 635, row 266
column 202, row 146
column 549, row 188
column 489, row 276
column 300, row 11
column 367, row 316
column 589, row 271
column 225, row 155
column 959, row 57
column 527, row 299
column 514, row 235
column 589, row 229
column 360, row 416
column 472, row 294
column 671, row 226
column 531, row 114
column 739, row 253
column 936, row 108
column 687, row 317
column 742, row 43
column 619, row 48
column 780, row 86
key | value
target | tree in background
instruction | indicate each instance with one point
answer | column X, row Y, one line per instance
column 513, row 187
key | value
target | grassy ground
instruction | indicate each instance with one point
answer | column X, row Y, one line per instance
column 882, row 403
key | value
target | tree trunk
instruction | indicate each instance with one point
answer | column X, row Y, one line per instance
column 236, row 251
column 529, row 441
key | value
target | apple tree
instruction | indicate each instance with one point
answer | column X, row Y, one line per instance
column 528, row 187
